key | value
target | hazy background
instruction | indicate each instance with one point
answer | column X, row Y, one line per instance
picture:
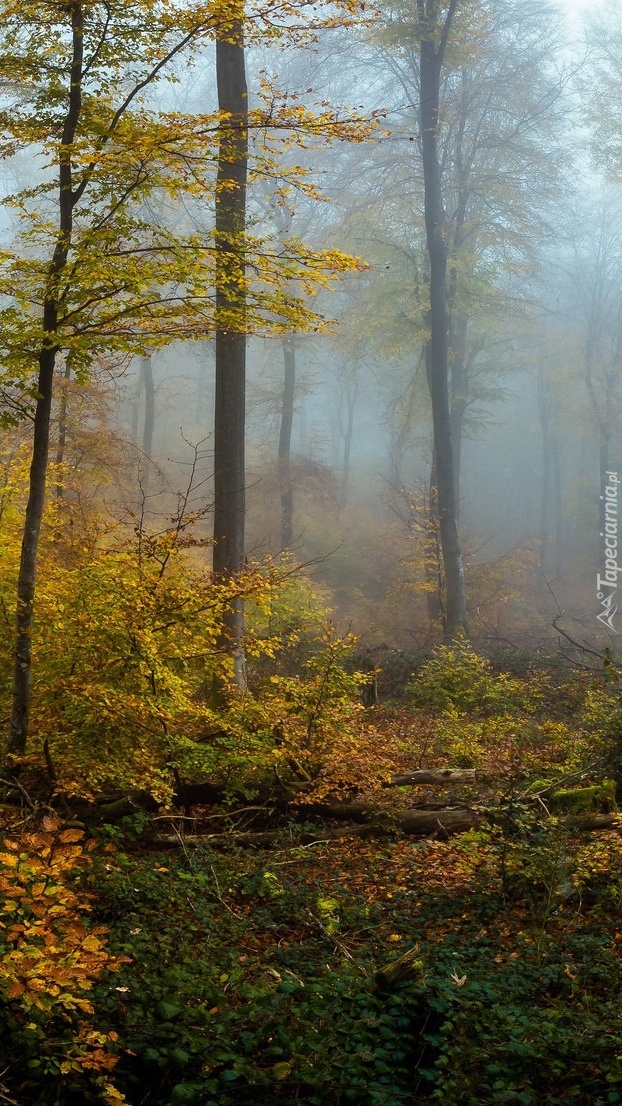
column 538, row 286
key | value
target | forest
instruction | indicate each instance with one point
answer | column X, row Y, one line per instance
column 310, row 449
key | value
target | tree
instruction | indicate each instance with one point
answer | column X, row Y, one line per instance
column 499, row 112
column 231, row 325
column 101, row 276
column 434, row 31
column 92, row 271
column 596, row 303
column 288, row 345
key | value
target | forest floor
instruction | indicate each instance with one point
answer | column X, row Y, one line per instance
column 472, row 968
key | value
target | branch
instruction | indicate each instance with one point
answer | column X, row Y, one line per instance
column 446, row 29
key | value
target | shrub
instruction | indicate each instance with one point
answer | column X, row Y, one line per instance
column 456, row 678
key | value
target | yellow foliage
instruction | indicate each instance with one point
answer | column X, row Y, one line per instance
column 51, row 954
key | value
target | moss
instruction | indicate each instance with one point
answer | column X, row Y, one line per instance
column 585, row 800
column 537, row 786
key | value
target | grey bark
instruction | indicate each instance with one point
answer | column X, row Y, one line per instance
column 146, row 375
column 349, row 395
column 432, row 51
column 285, row 440
column 230, row 395
column 62, row 425
column 146, row 370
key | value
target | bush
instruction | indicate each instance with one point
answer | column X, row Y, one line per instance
column 456, row 678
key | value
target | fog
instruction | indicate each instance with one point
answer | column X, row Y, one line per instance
column 531, row 190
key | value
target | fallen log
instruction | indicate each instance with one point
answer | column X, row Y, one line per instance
column 596, row 821
column 409, row 966
column 443, row 822
column 411, row 821
column 422, row 823
column 435, row 776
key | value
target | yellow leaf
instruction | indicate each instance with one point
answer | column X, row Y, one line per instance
column 92, row 944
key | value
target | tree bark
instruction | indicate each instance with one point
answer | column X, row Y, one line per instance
column 348, row 398
column 146, row 373
column 433, row 554
column 62, row 426
column 285, row 440
column 433, row 775
column 146, row 369
column 26, row 584
column 459, row 373
column 431, row 61
column 230, row 398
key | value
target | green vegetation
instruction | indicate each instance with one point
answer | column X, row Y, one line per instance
column 163, row 959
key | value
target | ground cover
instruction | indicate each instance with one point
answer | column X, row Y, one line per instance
column 190, row 958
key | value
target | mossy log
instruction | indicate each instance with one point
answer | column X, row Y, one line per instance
column 597, row 798
column 409, row 966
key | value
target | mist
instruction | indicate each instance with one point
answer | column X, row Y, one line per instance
column 539, row 349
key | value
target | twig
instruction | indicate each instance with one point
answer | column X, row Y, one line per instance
column 576, row 644
column 335, row 940
column 22, row 790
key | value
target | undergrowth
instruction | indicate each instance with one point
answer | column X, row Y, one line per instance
column 219, row 973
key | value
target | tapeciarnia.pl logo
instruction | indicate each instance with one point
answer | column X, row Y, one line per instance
column 607, row 584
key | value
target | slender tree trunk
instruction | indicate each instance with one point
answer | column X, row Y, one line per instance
column 349, row 396
column 459, row 373
column 146, row 372
column 433, row 556
column 62, row 426
column 431, row 60
column 557, row 510
column 136, row 405
column 146, row 368
column 285, row 441
column 27, row 577
column 230, row 398
column 545, row 411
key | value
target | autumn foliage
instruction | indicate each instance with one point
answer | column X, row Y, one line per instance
column 52, row 954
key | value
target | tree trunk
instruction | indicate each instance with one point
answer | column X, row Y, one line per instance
column 433, row 556
column 545, row 409
column 230, row 398
column 136, row 406
column 349, row 395
column 27, row 578
column 146, row 372
column 146, row 369
column 62, row 427
column 431, row 60
column 557, row 511
column 285, row 440
column 459, row 371
column 433, row 776
column 26, row 583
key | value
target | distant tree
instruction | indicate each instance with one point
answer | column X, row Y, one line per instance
column 498, row 119
column 596, row 305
